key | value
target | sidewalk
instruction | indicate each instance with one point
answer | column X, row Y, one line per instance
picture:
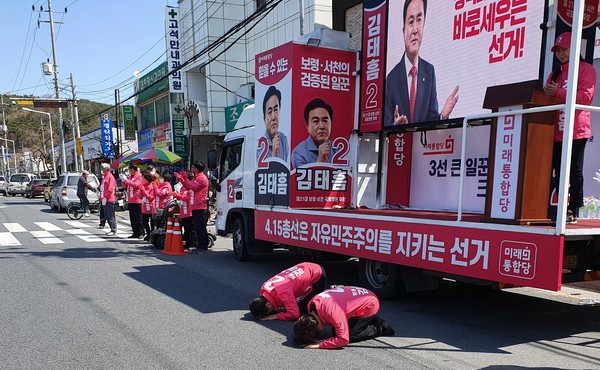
column 583, row 293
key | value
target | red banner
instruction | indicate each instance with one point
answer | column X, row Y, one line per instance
column 524, row 259
column 373, row 65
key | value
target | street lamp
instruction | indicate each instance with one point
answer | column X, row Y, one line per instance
column 51, row 137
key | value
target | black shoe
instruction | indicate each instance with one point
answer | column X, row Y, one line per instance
column 133, row 236
column 101, row 226
column 201, row 250
column 146, row 237
column 385, row 329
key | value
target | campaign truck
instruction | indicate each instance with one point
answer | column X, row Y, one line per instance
column 444, row 171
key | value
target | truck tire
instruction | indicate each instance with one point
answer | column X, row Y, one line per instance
column 382, row 278
column 240, row 247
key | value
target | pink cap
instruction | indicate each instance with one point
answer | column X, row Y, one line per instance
column 563, row 41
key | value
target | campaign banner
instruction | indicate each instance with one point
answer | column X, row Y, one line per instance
column 273, row 90
column 458, row 49
column 373, row 65
column 129, row 124
column 106, row 134
column 524, row 259
column 323, row 117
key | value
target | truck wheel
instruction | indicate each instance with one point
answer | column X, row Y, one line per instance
column 240, row 247
column 382, row 278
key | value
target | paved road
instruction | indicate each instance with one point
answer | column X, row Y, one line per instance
column 73, row 298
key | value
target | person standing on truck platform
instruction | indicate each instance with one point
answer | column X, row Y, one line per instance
column 134, row 199
column 198, row 189
column 316, row 147
column 556, row 85
column 82, row 189
column 352, row 313
column 286, row 295
column 277, row 141
column 411, row 93
column 108, row 197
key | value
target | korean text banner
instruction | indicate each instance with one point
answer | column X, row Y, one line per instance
column 466, row 44
column 108, row 151
column 323, row 117
column 273, row 116
column 373, row 65
column 525, row 259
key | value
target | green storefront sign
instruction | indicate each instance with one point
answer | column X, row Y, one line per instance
column 129, row 122
column 232, row 114
column 145, row 83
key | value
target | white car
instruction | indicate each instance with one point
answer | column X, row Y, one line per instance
column 17, row 183
column 3, row 185
column 65, row 190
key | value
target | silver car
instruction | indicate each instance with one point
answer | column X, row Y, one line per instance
column 65, row 190
column 3, row 185
column 17, row 183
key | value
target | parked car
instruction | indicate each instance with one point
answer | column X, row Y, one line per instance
column 3, row 185
column 36, row 187
column 17, row 183
column 48, row 190
column 65, row 190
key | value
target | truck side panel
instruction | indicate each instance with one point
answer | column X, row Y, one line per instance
column 527, row 259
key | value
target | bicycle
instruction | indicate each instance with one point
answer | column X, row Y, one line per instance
column 75, row 209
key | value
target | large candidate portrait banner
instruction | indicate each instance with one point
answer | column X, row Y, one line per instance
column 323, row 117
column 458, row 49
column 273, row 71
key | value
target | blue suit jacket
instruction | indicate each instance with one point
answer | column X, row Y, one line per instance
column 396, row 93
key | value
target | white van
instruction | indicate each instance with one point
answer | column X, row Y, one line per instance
column 17, row 183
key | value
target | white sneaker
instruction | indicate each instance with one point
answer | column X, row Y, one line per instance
column 87, row 214
column 111, row 233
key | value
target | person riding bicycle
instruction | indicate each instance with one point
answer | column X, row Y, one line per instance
column 82, row 189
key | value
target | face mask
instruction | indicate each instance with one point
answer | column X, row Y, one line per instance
column 161, row 180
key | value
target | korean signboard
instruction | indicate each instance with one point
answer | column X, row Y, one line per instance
column 173, row 52
column 106, row 134
column 305, row 98
column 232, row 114
column 458, row 49
column 129, row 122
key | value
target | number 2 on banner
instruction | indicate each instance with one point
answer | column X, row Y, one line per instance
column 341, row 147
column 263, row 147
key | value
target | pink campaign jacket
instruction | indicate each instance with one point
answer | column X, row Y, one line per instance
column 132, row 185
column 162, row 192
column 184, row 199
column 147, row 191
column 586, row 83
column 108, row 187
column 336, row 306
column 199, row 189
column 290, row 286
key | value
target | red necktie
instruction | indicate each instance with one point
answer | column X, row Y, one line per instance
column 413, row 92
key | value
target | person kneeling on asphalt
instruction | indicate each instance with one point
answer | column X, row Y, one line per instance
column 352, row 313
column 285, row 294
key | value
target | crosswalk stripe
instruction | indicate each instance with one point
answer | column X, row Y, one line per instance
column 45, row 237
column 14, row 227
column 48, row 226
column 85, row 236
column 8, row 239
column 77, row 224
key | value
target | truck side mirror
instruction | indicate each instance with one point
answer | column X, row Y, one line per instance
column 211, row 159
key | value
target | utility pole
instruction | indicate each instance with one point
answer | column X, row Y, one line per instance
column 76, row 121
column 61, row 130
column 5, row 171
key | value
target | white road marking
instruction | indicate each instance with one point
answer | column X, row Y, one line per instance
column 8, row 239
column 48, row 226
column 77, row 224
column 46, row 237
column 85, row 236
column 14, row 227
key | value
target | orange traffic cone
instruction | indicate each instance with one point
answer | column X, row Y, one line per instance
column 169, row 237
column 176, row 241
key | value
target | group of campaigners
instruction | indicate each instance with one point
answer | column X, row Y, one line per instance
column 302, row 293
column 147, row 193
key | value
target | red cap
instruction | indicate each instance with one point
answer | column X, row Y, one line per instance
column 563, row 41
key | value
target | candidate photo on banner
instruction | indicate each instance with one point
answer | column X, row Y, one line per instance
column 323, row 117
column 458, row 49
column 273, row 125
